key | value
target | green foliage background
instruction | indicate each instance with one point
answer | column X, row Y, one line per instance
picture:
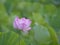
column 45, row 16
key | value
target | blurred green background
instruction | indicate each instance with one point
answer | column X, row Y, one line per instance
column 45, row 16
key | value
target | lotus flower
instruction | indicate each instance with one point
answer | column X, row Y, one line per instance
column 22, row 24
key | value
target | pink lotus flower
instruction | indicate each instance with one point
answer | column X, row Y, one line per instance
column 22, row 24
